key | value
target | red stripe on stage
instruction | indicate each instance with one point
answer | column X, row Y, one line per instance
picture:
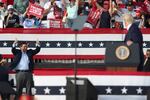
column 66, row 31
column 63, row 57
column 86, row 71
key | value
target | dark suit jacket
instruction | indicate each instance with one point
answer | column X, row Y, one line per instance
column 3, row 71
column 134, row 34
column 3, row 74
column 147, row 65
column 17, row 56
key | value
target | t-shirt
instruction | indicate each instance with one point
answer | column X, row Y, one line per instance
column 31, row 23
column 12, row 21
column 50, row 15
column 28, row 23
column 72, row 12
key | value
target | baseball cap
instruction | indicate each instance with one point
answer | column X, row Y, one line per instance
column 10, row 7
column 138, row 10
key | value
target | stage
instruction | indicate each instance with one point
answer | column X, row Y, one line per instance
column 60, row 48
column 50, row 84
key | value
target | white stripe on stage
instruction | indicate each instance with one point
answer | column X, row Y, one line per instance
column 63, row 37
column 67, row 37
column 112, row 80
column 122, row 97
column 100, row 97
column 66, row 51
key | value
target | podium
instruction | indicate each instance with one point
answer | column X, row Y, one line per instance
column 84, row 89
column 148, row 94
column 119, row 56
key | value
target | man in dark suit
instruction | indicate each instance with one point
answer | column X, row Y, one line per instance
column 134, row 35
column 147, row 61
column 23, row 64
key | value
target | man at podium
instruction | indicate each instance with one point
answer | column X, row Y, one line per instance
column 134, row 35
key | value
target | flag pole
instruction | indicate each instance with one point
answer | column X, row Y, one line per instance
column 75, row 67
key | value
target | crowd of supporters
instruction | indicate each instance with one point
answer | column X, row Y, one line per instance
column 100, row 13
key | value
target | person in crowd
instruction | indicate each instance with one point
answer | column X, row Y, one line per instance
column 71, row 11
column 22, row 14
column 2, row 10
column 24, row 65
column 147, row 61
column 98, row 16
column 21, row 5
column 30, row 21
column 105, row 18
column 116, row 14
column 129, row 9
column 11, row 20
column 139, row 18
column 86, row 7
column 134, row 35
column 52, row 8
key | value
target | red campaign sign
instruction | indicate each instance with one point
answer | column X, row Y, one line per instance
column 35, row 10
column 94, row 16
column 56, row 23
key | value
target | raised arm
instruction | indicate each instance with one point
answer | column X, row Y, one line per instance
column 14, row 50
column 46, row 11
column 38, row 48
column 98, row 5
column 77, row 2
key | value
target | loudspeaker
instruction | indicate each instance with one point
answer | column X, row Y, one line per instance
column 84, row 89
column 119, row 54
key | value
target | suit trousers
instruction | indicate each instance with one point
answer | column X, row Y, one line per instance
column 24, row 79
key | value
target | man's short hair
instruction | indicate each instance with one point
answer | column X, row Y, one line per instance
column 148, row 50
column 23, row 42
